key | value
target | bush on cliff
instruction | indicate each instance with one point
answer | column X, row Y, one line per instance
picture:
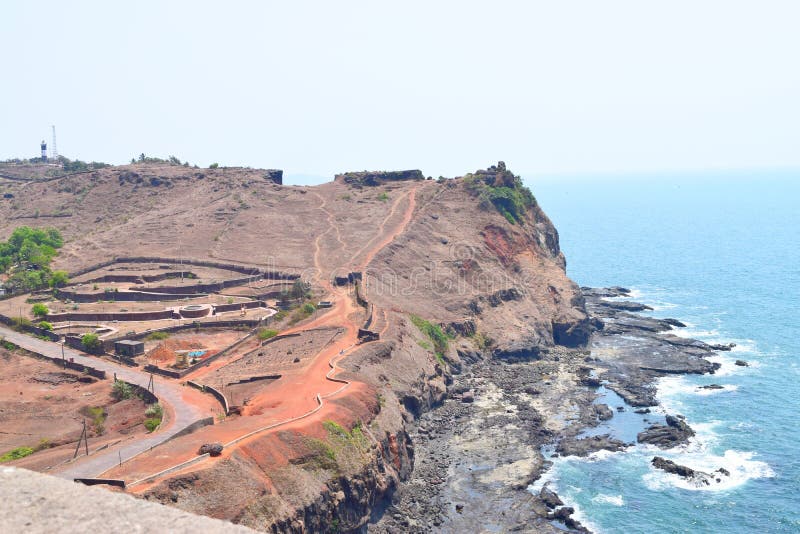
column 502, row 190
column 435, row 333
column 39, row 310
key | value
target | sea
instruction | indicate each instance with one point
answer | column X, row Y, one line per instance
column 719, row 251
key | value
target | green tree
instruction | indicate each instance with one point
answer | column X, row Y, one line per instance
column 91, row 341
column 39, row 310
column 59, row 279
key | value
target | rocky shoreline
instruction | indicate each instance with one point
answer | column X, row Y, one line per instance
column 477, row 454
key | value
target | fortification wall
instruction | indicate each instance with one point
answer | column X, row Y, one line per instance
column 111, row 316
column 243, row 269
column 125, row 296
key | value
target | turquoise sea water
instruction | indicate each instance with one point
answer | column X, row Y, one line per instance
column 721, row 252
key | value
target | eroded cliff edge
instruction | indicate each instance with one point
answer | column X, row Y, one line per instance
column 478, row 261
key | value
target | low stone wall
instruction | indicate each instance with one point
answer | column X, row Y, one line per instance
column 143, row 393
column 111, row 316
column 243, row 269
column 35, row 330
column 76, row 343
column 125, row 296
column 236, row 306
column 91, row 371
column 220, row 397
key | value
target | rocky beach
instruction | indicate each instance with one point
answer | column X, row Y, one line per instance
column 479, row 455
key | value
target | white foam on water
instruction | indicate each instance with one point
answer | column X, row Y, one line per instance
column 615, row 500
column 740, row 464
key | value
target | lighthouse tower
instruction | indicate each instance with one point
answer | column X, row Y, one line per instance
column 44, row 151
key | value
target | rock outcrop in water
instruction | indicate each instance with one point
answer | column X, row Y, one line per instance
column 675, row 432
column 698, row 478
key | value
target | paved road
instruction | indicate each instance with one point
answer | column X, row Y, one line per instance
column 168, row 393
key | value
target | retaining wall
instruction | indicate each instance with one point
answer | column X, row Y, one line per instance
column 35, row 330
column 236, row 306
column 111, row 316
column 243, row 269
column 126, row 296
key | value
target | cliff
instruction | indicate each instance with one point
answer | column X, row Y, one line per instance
column 453, row 271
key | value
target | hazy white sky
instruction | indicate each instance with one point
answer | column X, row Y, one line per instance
column 323, row 87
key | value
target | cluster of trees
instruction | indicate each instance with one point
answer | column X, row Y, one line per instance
column 27, row 255
column 172, row 160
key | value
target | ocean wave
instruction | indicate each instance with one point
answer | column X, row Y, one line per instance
column 616, row 500
column 670, row 387
column 740, row 464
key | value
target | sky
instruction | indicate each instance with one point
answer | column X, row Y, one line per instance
column 317, row 88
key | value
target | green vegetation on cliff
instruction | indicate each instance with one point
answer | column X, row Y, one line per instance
column 435, row 333
column 500, row 188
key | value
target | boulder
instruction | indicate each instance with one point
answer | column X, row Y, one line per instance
column 675, row 432
column 212, row 449
column 742, row 363
column 603, row 412
column 550, row 498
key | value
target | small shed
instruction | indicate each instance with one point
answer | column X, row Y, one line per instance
column 129, row 348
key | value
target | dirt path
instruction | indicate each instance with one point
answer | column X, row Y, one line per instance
column 302, row 396
column 173, row 396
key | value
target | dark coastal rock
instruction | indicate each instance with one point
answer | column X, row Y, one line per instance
column 642, row 410
column 674, row 322
column 550, row 498
column 712, row 386
column 675, row 432
column 572, row 446
column 624, row 305
column 671, row 467
column 699, row 478
column 725, row 347
column 603, row 412
column 605, row 292
column 742, row 363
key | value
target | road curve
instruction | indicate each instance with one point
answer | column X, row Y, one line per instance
column 168, row 393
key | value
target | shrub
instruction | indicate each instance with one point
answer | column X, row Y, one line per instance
column 91, row 341
column 383, row 197
column 308, row 308
column 16, row 454
column 266, row 333
column 151, row 424
column 39, row 310
column 44, row 325
column 214, row 166
column 59, row 279
column 157, row 336
column 154, row 411
column 121, row 390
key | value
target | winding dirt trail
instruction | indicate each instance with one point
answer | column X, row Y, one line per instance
column 302, row 397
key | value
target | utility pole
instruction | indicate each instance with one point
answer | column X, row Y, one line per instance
column 84, row 438
column 63, row 357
